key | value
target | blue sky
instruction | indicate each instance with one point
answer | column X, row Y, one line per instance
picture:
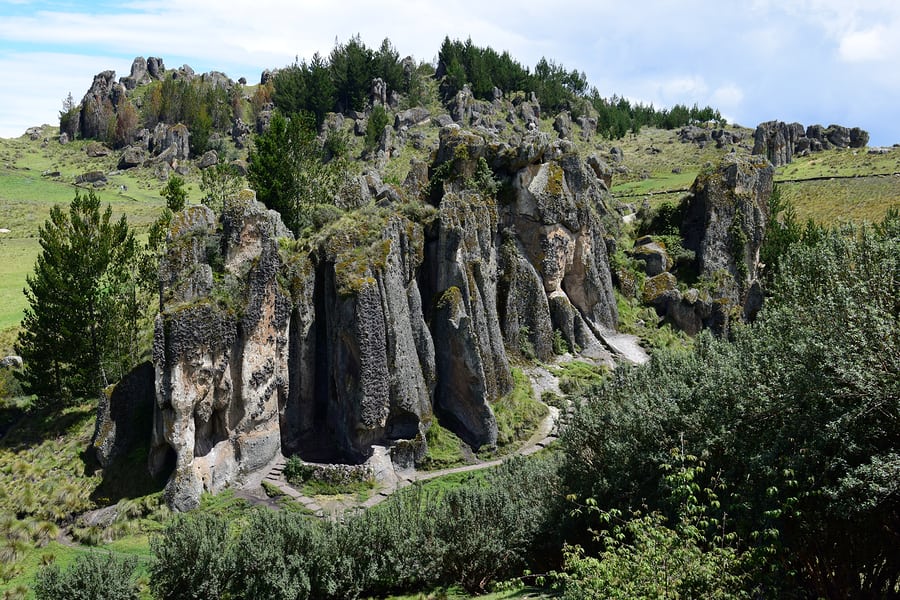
column 812, row 61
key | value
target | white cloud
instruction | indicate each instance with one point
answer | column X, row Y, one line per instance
column 758, row 60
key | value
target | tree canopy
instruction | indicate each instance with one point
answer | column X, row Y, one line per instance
column 81, row 326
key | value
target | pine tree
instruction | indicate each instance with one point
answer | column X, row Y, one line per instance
column 80, row 328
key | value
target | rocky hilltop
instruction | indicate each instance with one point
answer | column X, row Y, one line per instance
column 384, row 320
column 405, row 305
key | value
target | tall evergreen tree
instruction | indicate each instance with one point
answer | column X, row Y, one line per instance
column 80, row 327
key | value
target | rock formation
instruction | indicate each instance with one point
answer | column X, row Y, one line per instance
column 220, row 349
column 361, row 335
column 724, row 224
column 780, row 142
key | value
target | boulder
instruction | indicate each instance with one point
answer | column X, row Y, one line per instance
column 155, row 67
column 411, row 117
column 562, row 124
column 132, row 156
column 654, row 256
column 91, row 177
column 378, row 92
column 96, row 150
column 140, row 74
column 210, row 158
column 98, row 105
column 776, row 140
column 11, row 362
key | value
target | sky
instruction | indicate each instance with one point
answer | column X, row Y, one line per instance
column 810, row 61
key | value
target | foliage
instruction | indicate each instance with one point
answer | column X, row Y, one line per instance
column 798, row 412
column 472, row 535
column 68, row 117
column 378, row 120
column 191, row 560
column 289, row 172
column 643, row 557
column 219, row 184
column 782, row 230
column 342, row 82
column 200, row 103
column 81, row 327
column 275, row 557
column 94, row 576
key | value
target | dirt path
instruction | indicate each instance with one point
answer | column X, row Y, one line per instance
column 389, row 479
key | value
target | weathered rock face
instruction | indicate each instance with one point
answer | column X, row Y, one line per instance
column 220, row 349
column 362, row 359
column 385, row 319
column 124, row 415
column 99, row 104
column 780, row 142
column 724, row 224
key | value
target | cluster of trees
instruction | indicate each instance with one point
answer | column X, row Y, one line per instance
column 483, row 69
column 291, row 170
column 82, row 328
column 618, row 116
column 202, row 104
column 797, row 416
column 341, row 82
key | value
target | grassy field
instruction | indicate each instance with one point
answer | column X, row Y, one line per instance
column 27, row 195
column 847, row 185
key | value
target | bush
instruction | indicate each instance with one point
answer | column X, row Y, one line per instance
column 275, row 557
column 93, row 577
column 378, row 120
column 192, row 559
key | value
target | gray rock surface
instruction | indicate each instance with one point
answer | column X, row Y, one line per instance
column 780, row 142
column 124, row 415
column 220, row 349
column 725, row 221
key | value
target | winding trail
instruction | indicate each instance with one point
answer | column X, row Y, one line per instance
column 389, row 479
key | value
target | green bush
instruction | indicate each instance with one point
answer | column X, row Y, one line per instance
column 378, row 120
column 94, row 576
column 798, row 411
column 275, row 557
column 192, row 558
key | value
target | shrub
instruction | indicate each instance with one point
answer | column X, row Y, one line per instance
column 191, row 559
column 93, row 577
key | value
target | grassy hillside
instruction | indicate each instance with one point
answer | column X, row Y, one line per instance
column 827, row 187
column 26, row 196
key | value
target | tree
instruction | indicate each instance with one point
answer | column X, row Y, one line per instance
column 289, row 171
column 80, row 328
column 219, row 184
column 69, row 116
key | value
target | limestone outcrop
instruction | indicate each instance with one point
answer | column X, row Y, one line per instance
column 724, row 224
column 404, row 309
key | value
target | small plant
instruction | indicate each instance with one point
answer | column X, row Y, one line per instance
column 560, row 345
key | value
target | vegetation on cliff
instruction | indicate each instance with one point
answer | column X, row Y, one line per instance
column 759, row 463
